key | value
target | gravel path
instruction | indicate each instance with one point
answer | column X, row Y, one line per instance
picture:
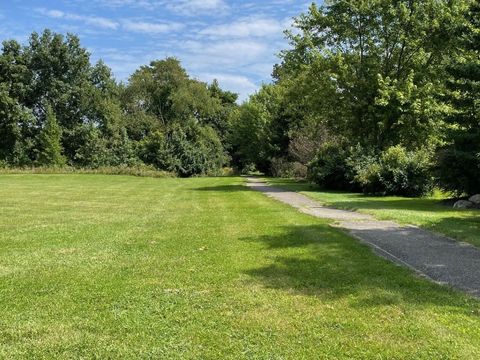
column 431, row 255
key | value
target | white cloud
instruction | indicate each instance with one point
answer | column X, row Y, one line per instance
column 247, row 27
column 96, row 21
column 227, row 52
column 198, row 7
column 151, row 28
column 239, row 84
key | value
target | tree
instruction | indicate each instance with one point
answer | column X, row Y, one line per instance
column 50, row 149
column 151, row 87
column 17, row 124
column 186, row 150
column 250, row 137
column 459, row 162
column 371, row 69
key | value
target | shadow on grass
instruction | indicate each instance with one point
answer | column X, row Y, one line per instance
column 323, row 262
column 223, row 188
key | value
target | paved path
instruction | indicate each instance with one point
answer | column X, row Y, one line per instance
column 434, row 256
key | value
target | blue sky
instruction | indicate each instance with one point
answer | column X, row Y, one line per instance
column 233, row 41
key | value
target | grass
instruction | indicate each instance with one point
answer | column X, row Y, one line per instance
column 137, row 170
column 428, row 213
column 95, row 266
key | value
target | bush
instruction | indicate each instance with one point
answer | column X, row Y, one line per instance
column 288, row 169
column 90, row 148
column 458, row 166
column 330, row 168
column 185, row 150
column 396, row 172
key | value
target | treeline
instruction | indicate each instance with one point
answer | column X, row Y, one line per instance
column 58, row 109
column 379, row 96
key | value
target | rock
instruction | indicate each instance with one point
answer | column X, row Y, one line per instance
column 463, row 204
column 475, row 199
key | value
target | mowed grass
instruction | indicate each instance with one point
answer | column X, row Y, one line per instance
column 112, row 267
column 429, row 213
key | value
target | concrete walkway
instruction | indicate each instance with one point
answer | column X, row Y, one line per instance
column 431, row 255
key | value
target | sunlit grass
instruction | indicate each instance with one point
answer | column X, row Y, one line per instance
column 95, row 266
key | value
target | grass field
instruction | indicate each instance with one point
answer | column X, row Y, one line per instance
column 95, row 266
column 428, row 213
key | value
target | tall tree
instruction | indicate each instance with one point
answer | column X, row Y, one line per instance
column 459, row 162
column 371, row 69
column 50, row 149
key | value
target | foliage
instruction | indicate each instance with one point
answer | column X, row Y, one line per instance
column 330, row 168
column 185, row 150
column 372, row 74
column 288, row 169
column 396, row 172
column 371, row 70
column 92, row 122
column 458, row 165
column 458, row 161
column 249, row 137
column 50, row 149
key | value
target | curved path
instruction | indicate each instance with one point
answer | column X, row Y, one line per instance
column 434, row 256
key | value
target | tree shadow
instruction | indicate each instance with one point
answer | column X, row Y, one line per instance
column 324, row 262
column 232, row 188
column 223, row 188
column 465, row 228
column 366, row 202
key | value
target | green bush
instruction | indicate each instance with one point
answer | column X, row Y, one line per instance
column 396, row 172
column 288, row 169
column 89, row 147
column 185, row 150
column 458, row 166
column 330, row 168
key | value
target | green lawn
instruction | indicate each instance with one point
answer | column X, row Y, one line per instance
column 95, row 266
column 428, row 213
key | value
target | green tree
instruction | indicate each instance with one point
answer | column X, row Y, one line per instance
column 371, row 69
column 187, row 150
column 250, row 137
column 50, row 149
column 459, row 162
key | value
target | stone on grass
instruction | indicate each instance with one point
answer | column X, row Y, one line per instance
column 463, row 204
column 475, row 199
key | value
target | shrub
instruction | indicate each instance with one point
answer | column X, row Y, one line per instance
column 458, row 165
column 90, row 147
column 185, row 150
column 396, row 172
column 50, row 152
column 249, row 169
column 288, row 169
column 330, row 168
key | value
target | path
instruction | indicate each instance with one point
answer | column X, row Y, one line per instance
column 434, row 256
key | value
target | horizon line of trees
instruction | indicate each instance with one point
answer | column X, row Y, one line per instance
column 58, row 109
column 379, row 96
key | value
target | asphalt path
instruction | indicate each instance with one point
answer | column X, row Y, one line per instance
column 434, row 256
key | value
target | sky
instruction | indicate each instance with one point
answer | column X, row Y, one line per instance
column 233, row 41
